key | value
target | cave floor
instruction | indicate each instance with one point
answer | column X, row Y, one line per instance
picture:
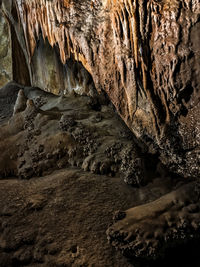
column 61, row 219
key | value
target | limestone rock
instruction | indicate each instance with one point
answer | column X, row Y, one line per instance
column 20, row 104
column 5, row 53
column 65, row 131
column 143, row 54
column 149, row 230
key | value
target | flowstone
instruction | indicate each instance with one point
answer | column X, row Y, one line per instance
column 48, row 132
column 148, row 231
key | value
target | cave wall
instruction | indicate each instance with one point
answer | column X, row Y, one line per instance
column 5, row 52
column 143, row 54
column 51, row 75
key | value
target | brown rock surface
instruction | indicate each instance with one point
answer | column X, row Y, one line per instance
column 143, row 54
column 60, row 220
column 60, row 217
column 48, row 132
column 149, row 231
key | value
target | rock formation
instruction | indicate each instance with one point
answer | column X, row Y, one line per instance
column 20, row 104
column 49, row 129
column 5, row 53
column 144, row 55
column 148, row 231
column 47, row 133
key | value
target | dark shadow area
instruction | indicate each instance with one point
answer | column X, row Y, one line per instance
column 186, row 255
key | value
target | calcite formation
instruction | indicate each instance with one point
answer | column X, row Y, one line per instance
column 149, row 231
column 143, row 54
column 47, row 132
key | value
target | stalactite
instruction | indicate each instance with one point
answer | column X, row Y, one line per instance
column 134, row 50
column 50, row 18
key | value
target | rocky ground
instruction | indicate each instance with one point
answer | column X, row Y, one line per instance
column 78, row 154
column 61, row 219
column 148, row 231
column 46, row 132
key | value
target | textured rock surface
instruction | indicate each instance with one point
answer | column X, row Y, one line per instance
column 40, row 217
column 144, row 54
column 51, row 75
column 149, row 230
column 60, row 220
column 48, row 132
column 5, row 53
column 41, row 133
column 40, row 220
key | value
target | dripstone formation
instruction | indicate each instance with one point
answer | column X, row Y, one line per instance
column 140, row 56
column 143, row 54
